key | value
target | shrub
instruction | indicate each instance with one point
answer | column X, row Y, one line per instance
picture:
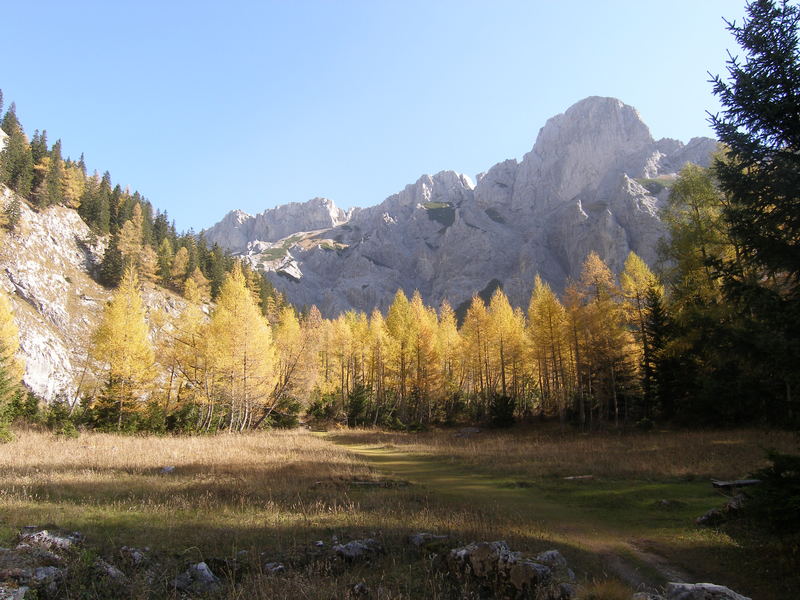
column 501, row 410
column 775, row 502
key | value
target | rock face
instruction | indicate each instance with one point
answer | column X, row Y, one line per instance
column 238, row 228
column 595, row 180
column 45, row 268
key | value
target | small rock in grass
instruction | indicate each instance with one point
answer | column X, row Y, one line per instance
column 273, row 568
column 9, row 593
column 108, row 570
column 358, row 549
column 168, row 469
column 319, row 543
column 133, row 556
column 552, row 558
column 360, row 590
column 426, row 540
column 701, row 591
column 198, row 579
column 50, row 541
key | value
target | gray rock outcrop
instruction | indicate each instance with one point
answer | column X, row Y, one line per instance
column 595, row 180
column 238, row 228
column 45, row 268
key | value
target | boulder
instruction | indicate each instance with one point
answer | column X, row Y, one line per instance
column 197, row 579
column 701, row 591
column 358, row 549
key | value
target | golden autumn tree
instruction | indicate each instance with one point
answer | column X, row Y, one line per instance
column 242, row 354
column 11, row 365
column 449, row 340
column 400, row 329
column 190, row 356
column 475, row 349
column 548, row 330
column 425, row 359
column 506, row 331
column 122, row 347
column 607, row 342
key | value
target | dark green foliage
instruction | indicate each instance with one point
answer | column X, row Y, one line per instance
column 323, row 408
column 501, row 410
column 662, row 370
column 776, row 501
column 286, row 414
column 58, row 418
column 25, row 407
column 760, row 127
column 112, row 265
column 357, row 405
column 16, row 162
column 760, row 175
column 441, row 212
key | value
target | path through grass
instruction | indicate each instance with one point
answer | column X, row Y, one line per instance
column 628, row 523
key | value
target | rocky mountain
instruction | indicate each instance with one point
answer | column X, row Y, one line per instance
column 594, row 180
column 45, row 268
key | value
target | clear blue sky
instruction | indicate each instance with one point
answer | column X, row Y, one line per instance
column 209, row 106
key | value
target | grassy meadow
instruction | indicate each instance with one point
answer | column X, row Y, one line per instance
column 276, row 493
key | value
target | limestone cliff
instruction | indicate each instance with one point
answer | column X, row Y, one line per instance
column 594, row 180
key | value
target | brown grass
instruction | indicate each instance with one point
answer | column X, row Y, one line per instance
column 275, row 493
column 549, row 452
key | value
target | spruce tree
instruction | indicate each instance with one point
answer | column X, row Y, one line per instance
column 760, row 175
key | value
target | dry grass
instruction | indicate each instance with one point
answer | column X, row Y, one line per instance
column 275, row 493
column 272, row 494
column 548, row 452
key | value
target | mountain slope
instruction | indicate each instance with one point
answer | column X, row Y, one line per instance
column 594, row 180
column 45, row 268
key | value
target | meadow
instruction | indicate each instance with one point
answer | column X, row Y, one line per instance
column 628, row 517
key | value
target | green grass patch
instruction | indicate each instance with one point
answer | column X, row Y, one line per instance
column 290, row 241
column 441, row 212
column 655, row 186
column 274, row 254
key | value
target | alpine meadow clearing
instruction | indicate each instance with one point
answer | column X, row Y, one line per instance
column 625, row 515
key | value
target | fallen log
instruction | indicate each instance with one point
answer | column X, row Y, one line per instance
column 738, row 483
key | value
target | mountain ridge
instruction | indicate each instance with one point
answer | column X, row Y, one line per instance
column 580, row 188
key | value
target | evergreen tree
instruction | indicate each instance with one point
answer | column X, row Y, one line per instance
column 112, row 265
column 16, row 162
column 760, row 175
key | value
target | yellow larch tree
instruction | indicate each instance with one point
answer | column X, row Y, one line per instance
column 475, row 349
column 548, row 331
column 12, row 367
column 449, row 341
column 242, row 354
column 400, row 327
column 122, row 347
column 425, row 352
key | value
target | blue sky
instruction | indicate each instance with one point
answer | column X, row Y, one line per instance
column 209, row 106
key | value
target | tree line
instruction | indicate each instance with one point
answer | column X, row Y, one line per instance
column 135, row 232
column 714, row 338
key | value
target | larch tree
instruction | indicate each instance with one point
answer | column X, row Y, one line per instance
column 11, row 364
column 242, row 354
column 400, row 328
column 122, row 347
column 548, row 332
